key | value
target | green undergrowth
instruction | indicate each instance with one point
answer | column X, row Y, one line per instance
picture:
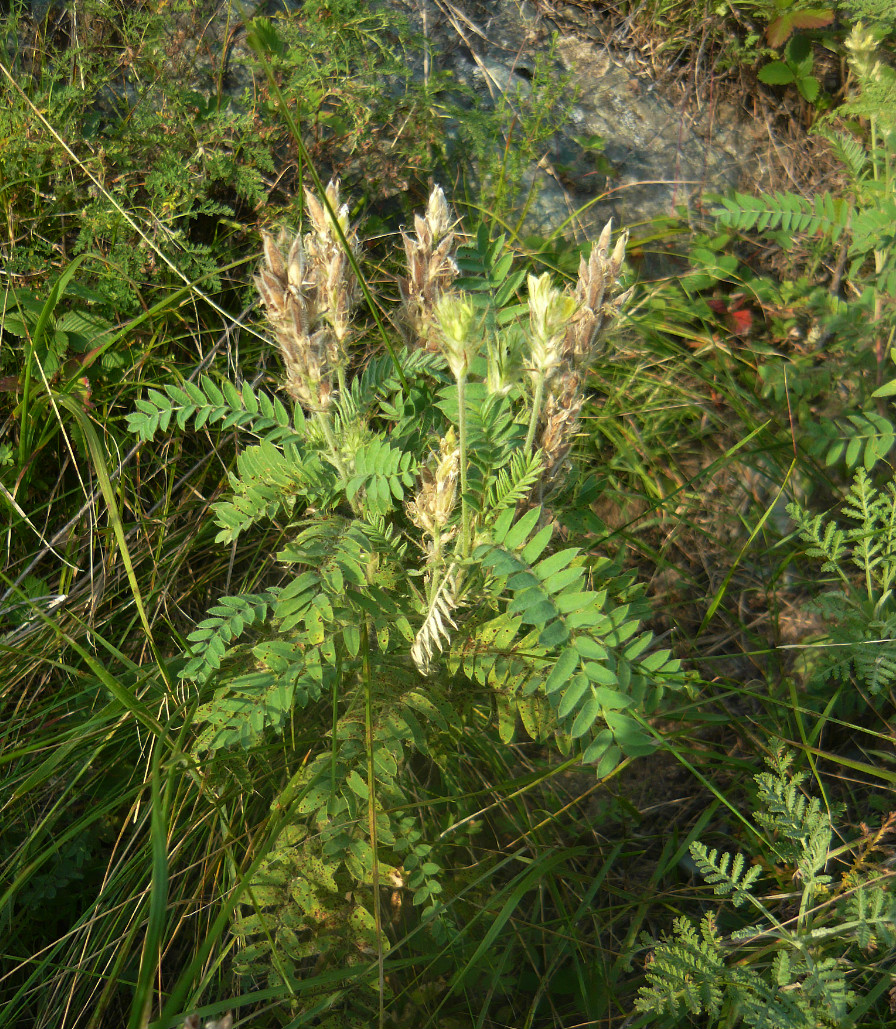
column 398, row 637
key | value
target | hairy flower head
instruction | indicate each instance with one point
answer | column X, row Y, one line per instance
column 550, row 313
column 456, row 315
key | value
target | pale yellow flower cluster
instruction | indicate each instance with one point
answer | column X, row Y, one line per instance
column 434, row 503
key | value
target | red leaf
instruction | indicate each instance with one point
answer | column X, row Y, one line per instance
column 741, row 321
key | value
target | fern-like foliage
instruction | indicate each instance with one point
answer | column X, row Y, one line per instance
column 212, row 637
column 824, row 214
column 782, row 971
column 558, row 636
column 860, row 613
column 855, row 231
column 207, row 404
column 686, row 972
column 861, row 438
column 800, row 828
column 725, row 874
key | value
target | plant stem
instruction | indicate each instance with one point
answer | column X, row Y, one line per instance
column 536, row 414
column 324, row 420
column 371, row 811
column 462, row 443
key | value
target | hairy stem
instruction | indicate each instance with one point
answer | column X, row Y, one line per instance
column 371, row 812
column 536, row 414
column 465, row 513
column 324, row 421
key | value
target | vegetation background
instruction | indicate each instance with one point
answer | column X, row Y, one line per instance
column 344, row 693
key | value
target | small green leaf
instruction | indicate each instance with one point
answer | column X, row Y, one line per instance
column 519, row 532
column 535, row 547
column 566, row 665
column 553, row 634
column 629, row 735
column 611, row 699
column 600, row 673
column 589, row 648
column 563, row 579
column 608, row 761
column 506, row 718
column 555, row 563
column 352, row 638
column 598, row 746
column 573, row 694
column 775, row 74
column 357, row 785
column 499, row 561
column 585, row 718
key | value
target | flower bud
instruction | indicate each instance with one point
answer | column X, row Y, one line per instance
column 457, row 320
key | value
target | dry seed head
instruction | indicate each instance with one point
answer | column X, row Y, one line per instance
column 431, row 269
column 594, row 294
column 322, row 220
column 561, row 423
column 438, row 218
column 335, row 282
column 291, row 303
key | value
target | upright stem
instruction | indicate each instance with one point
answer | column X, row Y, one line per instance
column 536, row 414
column 465, row 514
column 324, row 422
column 371, row 811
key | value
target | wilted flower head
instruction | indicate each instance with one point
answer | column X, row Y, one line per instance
column 438, row 217
column 431, row 269
column 594, row 295
column 309, row 294
column 322, row 219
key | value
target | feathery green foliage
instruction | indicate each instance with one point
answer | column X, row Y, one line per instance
column 858, row 648
column 854, row 321
column 792, row 966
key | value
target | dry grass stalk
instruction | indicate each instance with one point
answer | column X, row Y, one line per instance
column 431, row 270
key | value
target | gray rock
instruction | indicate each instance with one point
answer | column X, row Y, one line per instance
column 654, row 155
